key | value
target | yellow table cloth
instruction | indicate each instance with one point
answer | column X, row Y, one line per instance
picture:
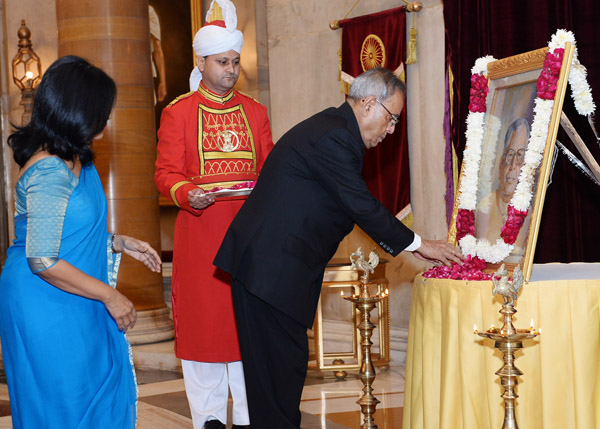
column 450, row 371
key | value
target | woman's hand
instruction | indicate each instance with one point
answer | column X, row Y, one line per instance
column 139, row 250
column 121, row 309
column 70, row 279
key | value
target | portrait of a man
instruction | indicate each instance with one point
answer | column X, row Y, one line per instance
column 502, row 160
column 492, row 209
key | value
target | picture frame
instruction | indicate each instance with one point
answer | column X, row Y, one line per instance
column 176, row 23
column 498, row 208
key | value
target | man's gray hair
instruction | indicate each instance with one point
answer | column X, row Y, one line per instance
column 378, row 82
column 517, row 123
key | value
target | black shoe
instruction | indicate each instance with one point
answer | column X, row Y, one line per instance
column 214, row 424
column 240, row 427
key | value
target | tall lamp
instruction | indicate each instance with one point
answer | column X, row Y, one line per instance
column 27, row 71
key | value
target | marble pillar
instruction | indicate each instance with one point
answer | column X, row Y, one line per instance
column 114, row 35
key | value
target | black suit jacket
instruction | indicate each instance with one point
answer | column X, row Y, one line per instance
column 308, row 197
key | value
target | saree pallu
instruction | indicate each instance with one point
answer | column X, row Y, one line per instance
column 67, row 363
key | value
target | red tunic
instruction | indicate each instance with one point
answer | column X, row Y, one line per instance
column 206, row 140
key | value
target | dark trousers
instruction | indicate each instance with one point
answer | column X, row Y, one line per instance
column 275, row 357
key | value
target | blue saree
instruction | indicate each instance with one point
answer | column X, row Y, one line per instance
column 67, row 363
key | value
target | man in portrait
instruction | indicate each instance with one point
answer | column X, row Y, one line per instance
column 491, row 212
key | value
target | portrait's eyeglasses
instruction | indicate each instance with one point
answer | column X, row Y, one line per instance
column 394, row 119
column 518, row 157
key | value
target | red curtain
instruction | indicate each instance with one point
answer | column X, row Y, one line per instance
column 379, row 40
column 569, row 231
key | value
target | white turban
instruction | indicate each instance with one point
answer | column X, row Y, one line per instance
column 213, row 39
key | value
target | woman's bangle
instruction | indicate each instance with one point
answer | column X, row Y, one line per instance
column 112, row 243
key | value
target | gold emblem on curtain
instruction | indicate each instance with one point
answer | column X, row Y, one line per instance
column 372, row 53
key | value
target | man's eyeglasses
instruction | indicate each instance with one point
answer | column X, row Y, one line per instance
column 518, row 157
column 394, row 119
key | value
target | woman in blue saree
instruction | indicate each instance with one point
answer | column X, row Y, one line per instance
column 62, row 322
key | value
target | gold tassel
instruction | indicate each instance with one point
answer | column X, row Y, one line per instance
column 343, row 86
column 411, row 55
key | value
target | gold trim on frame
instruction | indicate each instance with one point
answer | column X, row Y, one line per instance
column 517, row 64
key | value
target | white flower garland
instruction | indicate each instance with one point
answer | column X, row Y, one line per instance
column 582, row 96
column 580, row 89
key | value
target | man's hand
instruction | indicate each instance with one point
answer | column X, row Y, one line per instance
column 439, row 252
column 199, row 200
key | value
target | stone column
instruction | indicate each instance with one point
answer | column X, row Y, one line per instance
column 114, row 35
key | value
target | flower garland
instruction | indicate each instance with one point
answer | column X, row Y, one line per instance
column 544, row 102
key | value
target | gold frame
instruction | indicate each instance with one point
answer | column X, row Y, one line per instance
column 507, row 68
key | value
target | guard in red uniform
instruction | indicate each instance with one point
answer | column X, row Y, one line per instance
column 210, row 138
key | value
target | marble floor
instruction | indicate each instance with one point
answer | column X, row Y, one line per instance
column 326, row 402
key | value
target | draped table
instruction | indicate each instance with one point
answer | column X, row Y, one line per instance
column 450, row 371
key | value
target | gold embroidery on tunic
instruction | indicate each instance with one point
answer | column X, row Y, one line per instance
column 225, row 141
column 213, row 97
column 181, row 97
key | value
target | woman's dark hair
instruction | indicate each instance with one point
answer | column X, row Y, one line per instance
column 70, row 107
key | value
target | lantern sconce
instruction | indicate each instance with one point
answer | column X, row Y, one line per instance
column 27, row 71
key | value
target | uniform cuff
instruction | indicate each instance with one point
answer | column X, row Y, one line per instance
column 182, row 198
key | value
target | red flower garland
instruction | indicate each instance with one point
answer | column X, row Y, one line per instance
column 479, row 91
column 513, row 224
column 465, row 223
column 546, row 83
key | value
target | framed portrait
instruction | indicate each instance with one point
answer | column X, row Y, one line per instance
column 173, row 25
column 510, row 143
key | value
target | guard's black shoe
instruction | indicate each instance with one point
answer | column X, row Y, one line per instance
column 240, row 427
column 214, row 424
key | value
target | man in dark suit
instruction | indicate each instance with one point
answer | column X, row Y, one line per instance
column 307, row 199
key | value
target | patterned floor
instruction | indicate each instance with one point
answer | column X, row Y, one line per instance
column 326, row 402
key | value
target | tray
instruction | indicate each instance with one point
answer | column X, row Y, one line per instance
column 229, row 193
